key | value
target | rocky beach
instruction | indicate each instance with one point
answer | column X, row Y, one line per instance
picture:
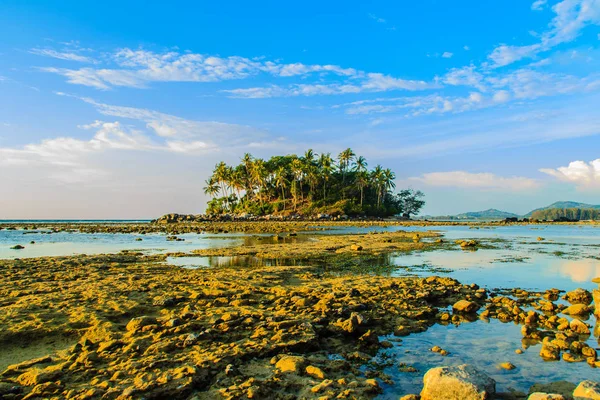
column 130, row 325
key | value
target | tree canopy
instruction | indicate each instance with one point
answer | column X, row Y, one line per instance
column 566, row 214
column 308, row 184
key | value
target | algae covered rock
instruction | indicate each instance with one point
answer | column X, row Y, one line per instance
column 136, row 324
column 465, row 307
column 579, row 296
column 463, row 382
column 291, row 364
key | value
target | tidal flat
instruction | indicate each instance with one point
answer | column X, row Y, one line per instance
column 339, row 314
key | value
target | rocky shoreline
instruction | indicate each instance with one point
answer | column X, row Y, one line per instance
column 128, row 325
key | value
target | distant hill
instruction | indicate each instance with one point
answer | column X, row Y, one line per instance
column 564, row 205
column 492, row 213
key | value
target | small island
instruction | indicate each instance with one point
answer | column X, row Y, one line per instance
column 309, row 185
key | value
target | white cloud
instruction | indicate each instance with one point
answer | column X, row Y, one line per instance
column 463, row 179
column 139, row 68
column 62, row 55
column 212, row 133
column 571, row 17
column 465, row 76
column 447, row 54
column 370, row 83
column 538, row 5
column 466, row 48
column 582, row 174
column 377, row 19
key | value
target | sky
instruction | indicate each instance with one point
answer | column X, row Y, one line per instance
column 122, row 109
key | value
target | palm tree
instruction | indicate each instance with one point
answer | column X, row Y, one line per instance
column 325, row 164
column 360, row 164
column 345, row 158
column 362, row 180
column 388, row 179
column 211, row 189
column 281, row 182
column 376, row 179
column 248, row 163
column 309, row 156
column 298, row 171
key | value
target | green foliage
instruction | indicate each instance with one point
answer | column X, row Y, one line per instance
column 566, row 214
column 310, row 184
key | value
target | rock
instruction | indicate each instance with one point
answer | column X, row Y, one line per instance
column 579, row 296
column 596, row 296
column 410, row 397
column 577, row 309
column 290, row 364
column 587, row 390
column 457, row 383
column 35, row 376
column 356, row 247
column 549, row 352
column 579, row 327
column 465, row 307
column 507, row 366
column 315, row 372
column 562, row 388
column 136, row 324
column 17, row 247
column 546, row 396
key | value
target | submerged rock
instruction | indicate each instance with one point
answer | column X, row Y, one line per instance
column 457, row 383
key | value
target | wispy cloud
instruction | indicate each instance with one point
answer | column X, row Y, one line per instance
column 469, row 180
column 140, row 68
column 447, row 54
column 571, row 17
column 538, row 5
column 377, row 19
column 61, row 55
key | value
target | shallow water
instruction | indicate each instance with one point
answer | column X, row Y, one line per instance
column 72, row 243
column 567, row 258
column 483, row 345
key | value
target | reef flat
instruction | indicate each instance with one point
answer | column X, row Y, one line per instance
column 129, row 325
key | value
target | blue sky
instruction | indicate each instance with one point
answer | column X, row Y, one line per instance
column 120, row 110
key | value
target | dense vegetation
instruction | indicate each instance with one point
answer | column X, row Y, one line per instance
column 564, row 214
column 308, row 185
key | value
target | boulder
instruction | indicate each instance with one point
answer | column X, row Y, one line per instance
column 462, row 382
column 290, row 364
column 549, row 352
column 465, row 307
column 579, row 296
column 579, row 327
column 546, row 396
column 596, row 296
column 587, row 390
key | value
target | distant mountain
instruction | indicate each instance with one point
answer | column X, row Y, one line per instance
column 562, row 205
column 492, row 213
